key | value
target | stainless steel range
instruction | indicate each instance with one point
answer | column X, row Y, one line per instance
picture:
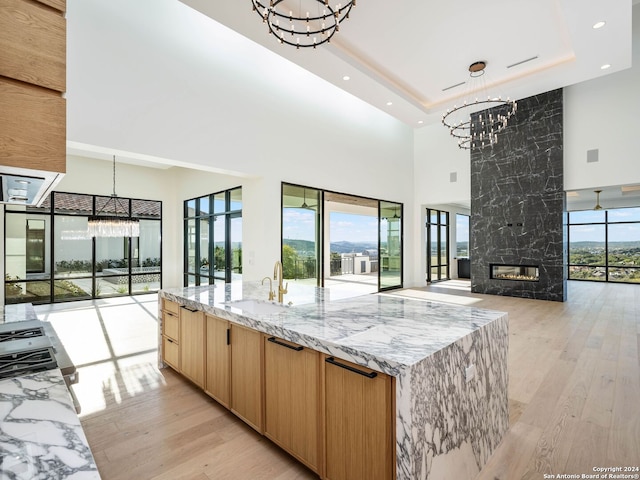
column 33, row 346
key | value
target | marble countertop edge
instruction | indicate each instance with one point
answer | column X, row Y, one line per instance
column 386, row 333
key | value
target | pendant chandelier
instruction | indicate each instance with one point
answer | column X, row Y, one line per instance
column 114, row 224
column 477, row 122
column 309, row 24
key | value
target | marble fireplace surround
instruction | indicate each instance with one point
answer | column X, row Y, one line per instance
column 518, row 203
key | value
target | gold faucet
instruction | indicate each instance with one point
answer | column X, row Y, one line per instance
column 278, row 275
column 272, row 294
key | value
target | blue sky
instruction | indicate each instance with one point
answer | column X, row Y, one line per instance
column 353, row 228
column 618, row 232
column 298, row 224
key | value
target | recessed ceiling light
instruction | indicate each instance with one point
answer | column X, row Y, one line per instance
column 389, row 103
column 599, row 25
column 346, row 77
column 420, row 122
column 605, row 66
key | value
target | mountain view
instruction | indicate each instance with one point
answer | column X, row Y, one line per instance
column 306, row 247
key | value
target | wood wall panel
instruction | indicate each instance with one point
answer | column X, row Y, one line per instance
column 33, row 44
column 57, row 4
column 32, row 127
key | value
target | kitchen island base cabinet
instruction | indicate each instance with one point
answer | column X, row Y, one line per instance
column 171, row 353
column 171, row 334
column 218, row 375
column 192, row 344
column 246, row 375
column 292, row 399
column 359, row 438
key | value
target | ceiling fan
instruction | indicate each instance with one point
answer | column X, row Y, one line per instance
column 597, row 206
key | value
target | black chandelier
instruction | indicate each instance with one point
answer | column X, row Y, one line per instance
column 313, row 24
column 476, row 123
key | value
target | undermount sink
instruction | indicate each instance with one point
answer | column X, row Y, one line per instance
column 259, row 307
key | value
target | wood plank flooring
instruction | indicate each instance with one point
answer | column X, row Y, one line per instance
column 574, row 391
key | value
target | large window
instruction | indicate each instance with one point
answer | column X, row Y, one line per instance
column 301, row 209
column 462, row 235
column 49, row 256
column 604, row 245
column 213, row 238
column 334, row 239
column 437, row 245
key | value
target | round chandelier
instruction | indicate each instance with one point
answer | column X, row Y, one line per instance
column 313, row 24
column 476, row 123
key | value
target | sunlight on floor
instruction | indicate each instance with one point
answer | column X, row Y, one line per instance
column 112, row 342
column 454, row 298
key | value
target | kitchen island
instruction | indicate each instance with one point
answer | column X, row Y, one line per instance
column 448, row 363
column 40, row 433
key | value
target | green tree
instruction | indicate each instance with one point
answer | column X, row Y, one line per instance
column 289, row 259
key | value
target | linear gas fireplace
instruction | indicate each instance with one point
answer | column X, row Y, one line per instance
column 525, row 273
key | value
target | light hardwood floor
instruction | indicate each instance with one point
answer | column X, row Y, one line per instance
column 574, row 393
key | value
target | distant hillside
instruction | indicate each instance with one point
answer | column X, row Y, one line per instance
column 612, row 245
column 353, row 247
column 337, row 247
column 301, row 245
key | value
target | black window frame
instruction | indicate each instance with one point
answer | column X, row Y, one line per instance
column 199, row 214
column 606, row 222
column 48, row 209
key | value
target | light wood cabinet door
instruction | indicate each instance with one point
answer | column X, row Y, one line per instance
column 32, row 127
column 218, row 361
column 171, row 326
column 171, row 307
column 171, row 353
column 246, row 375
column 192, row 345
column 60, row 5
column 358, row 422
column 292, row 399
column 33, row 44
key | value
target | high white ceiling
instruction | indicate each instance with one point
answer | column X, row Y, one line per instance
column 401, row 56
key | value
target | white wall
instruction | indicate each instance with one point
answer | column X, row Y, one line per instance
column 436, row 157
column 603, row 114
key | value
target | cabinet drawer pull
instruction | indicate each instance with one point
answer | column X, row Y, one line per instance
column 192, row 310
column 169, row 340
column 228, row 336
column 332, row 361
column 273, row 340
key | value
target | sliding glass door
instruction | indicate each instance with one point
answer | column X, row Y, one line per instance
column 301, row 234
column 340, row 240
column 437, row 245
column 390, row 241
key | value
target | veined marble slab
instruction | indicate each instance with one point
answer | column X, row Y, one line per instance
column 447, row 422
column 17, row 313
column 40, row 433
column 382, row 332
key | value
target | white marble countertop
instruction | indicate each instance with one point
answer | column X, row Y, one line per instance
column 17, row 313
column 383, row 332
column 40, row 433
